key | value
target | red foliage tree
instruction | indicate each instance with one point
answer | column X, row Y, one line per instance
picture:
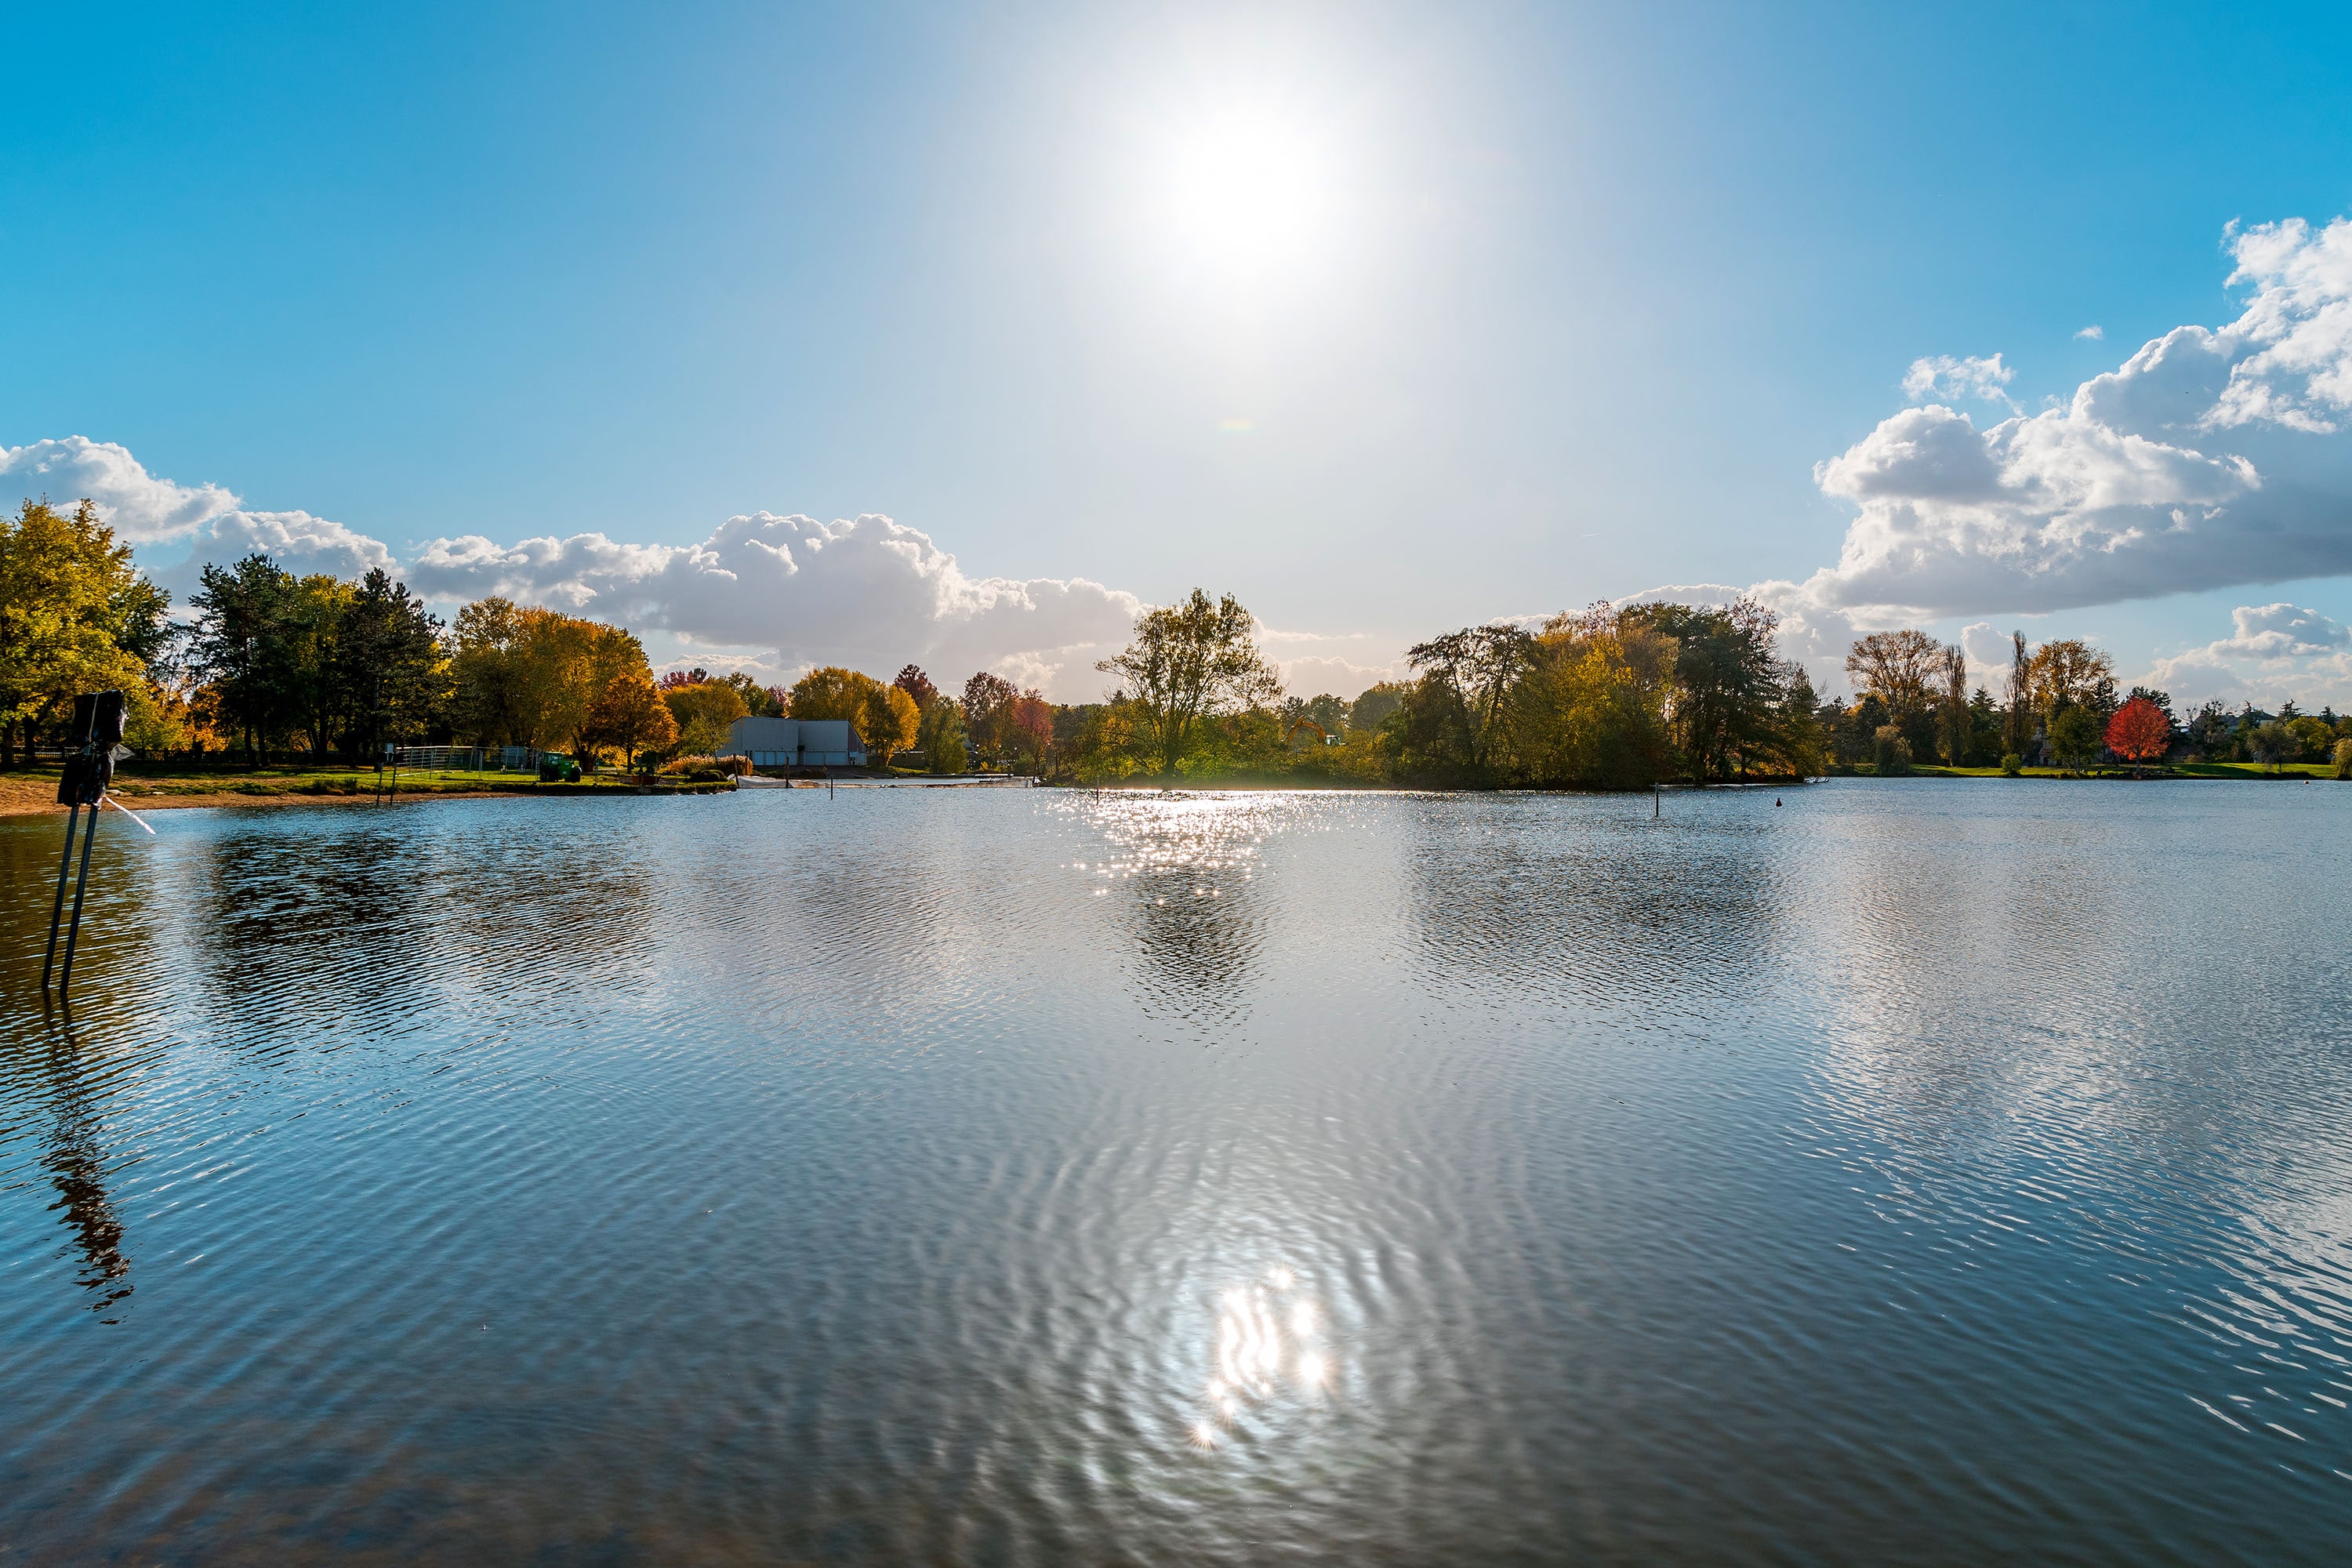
column 2139, row 732
column 916, row 685
column 1028, row 725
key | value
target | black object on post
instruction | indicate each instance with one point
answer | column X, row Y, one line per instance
column 97, row 729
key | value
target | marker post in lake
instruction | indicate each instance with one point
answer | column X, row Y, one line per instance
column 97, row 729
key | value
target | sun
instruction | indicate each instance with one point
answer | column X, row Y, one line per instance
column 1246, row 193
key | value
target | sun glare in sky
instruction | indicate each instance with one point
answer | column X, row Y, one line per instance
column 1248, row 194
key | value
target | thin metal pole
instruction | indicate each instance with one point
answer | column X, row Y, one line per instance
column 81, row 886
column 1657, row 796
column 58, row 910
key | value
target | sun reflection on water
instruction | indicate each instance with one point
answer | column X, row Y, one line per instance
column 1266, row 1336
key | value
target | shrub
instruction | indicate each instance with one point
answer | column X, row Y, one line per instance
column 690, row 765
column 1893, row 751
column 2011, row 763
column 2344, row 759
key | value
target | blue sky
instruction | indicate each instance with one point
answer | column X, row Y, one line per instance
column 1386, row 319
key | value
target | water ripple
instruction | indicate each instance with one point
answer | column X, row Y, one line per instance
column 1925, row 1173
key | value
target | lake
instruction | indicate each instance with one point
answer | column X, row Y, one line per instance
column 1927, row 1172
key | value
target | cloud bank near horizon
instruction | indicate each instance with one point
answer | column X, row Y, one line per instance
column 771, row 594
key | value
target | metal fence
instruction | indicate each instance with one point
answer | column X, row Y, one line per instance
column 463, row 759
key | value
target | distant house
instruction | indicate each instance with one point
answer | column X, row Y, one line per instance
column 797, row 743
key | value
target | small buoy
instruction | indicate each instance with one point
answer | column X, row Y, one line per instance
column 1776, row 800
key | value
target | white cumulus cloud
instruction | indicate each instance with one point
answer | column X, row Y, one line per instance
column 869, row 593
column 141, row 508
column 2091, row 334
column 1986, row 379
column 776, row 594
column 2210, row 457
column 2273, row 653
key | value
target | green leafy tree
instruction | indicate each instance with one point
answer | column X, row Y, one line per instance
column 389, row 658
column 2314, row 736
column 1730, row 713
column 316, row 608
column 1191, row 662
column 2075, row 734
column 941, row 735
column 1371, row 710
column 1466, row 678
column 245, row 646
column 2274, row 744
column 1102, row 747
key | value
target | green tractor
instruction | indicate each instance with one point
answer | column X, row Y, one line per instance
column 554, row 767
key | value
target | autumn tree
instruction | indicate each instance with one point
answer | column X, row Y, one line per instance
column 987, row 698
column 75, row 615
column 2017, row 718
column 1027, row 728
column 1590, row 709
column 1466, row 676
column 1904, row 670
column 831, row 692
column 2069, row 672
column 2139, row 732
column 706, row 710
column 630, row 715
column 1952, row 710
column 1191, row 662
column 889, row 721
column 916, row 685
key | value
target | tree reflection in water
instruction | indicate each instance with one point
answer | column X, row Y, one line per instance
column 1186, row 866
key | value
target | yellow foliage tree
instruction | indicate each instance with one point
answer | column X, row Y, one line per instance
column 74, row 615
column 831, row 692
column 888, row 723
column 704, row 710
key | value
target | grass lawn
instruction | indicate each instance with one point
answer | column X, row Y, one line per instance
column 2181, row 770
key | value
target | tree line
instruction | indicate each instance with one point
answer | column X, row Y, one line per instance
column 2058, row 707
column 269, row 664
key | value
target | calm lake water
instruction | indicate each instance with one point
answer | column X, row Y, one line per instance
column 1919, row 1172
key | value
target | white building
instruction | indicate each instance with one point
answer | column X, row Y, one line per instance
column 797, row 743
